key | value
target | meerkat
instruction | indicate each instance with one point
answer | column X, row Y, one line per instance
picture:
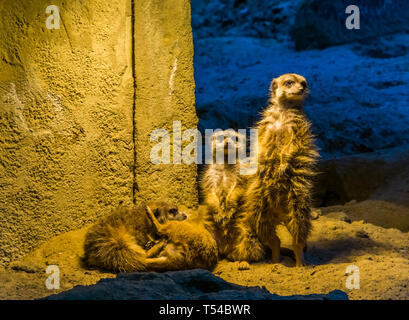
column 120, row 241
column 221, row 189
column 280, row 191
column 183, row 245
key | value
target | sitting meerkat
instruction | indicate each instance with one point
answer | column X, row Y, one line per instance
column 280, row 191
column 119, row 242
column 183, row 245
column 222, row 189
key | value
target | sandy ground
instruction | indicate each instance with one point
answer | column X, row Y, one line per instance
column 25, row 279
column 382, row 256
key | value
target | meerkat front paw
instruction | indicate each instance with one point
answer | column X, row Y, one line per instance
column 230, row 213
column 148, row 245
column 219, row 217
column 244, row 265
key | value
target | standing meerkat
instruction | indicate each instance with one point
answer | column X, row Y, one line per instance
column 120, row 241
column 222, row 188
column 280, row 191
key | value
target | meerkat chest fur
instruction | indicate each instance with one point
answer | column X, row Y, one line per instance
column 227, row 180
column 220, row 179
column 281, row 133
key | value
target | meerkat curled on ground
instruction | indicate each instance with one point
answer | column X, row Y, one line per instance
column 280, row 191
column 120, row 241
column 183, row 245
column 221, row 188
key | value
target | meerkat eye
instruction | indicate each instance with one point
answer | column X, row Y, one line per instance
column 289, row 83
column 173, row 211
column 304, row 84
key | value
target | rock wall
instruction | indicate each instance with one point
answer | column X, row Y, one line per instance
column 248, row 18
column 164, row 94
column 194, row 284
column 321, row 23
column 69, row 111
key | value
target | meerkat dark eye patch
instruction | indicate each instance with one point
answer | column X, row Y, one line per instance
column 173, row 211
column 289, row 83
column 156, row 213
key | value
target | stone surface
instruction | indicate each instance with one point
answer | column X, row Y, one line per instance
column 378, row 175
column 250, row 18
column 339, row 216
column 321, row 23
column 179, row 285
column 66, row 149
column 164, row 93
column 67, row 120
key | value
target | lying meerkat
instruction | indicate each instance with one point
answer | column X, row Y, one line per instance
column 119, row 242
column 222, row 189
column 280, row 191
column 183, row 245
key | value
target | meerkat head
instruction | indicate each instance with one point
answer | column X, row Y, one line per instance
column 230, row 141
column 165, row 211
column 289, row 90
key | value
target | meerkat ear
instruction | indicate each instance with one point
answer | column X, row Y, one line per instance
column 273, row 88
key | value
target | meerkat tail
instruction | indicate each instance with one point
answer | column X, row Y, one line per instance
column 115, row 250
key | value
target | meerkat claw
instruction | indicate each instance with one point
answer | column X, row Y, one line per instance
column 244, row 265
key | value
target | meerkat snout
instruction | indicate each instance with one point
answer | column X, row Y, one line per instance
column 180, row 216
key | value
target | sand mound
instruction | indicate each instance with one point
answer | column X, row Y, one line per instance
column 25, row 279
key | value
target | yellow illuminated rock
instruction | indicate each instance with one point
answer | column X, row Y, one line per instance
column 69, row 111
